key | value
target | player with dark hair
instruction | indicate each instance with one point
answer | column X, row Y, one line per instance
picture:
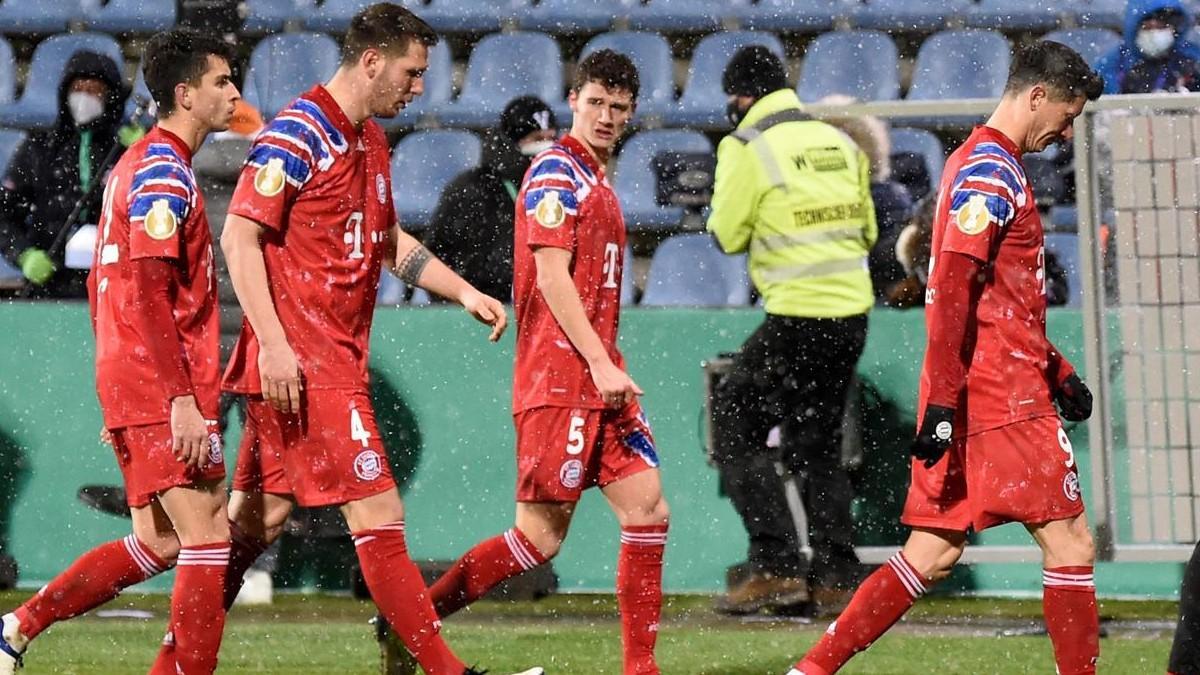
column 154, row 311
column 309, row 228
column 990, row 449
column 575, row 407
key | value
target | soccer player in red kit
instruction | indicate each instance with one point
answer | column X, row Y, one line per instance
column 154, row 311
column 990, row 448
column 309, row 228
column 578, row 420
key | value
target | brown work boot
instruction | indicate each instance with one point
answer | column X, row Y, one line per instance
column 762, row 591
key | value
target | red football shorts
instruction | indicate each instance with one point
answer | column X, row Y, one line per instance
column 328, row 453
column 1023, row 472
column 148, row 462
column 563, row 451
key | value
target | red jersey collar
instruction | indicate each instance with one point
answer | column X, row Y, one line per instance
column 158, row 133
column 337, row 116
column 999, row 137
column 576, row 147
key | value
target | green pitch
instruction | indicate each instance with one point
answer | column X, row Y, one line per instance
column 580, row 635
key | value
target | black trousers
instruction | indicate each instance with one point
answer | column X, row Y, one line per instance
column 795, row 372
column 1185, row 651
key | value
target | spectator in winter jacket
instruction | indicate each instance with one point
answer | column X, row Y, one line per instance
column 53, row 169
column 472, row 229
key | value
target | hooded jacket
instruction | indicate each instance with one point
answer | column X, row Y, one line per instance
column 44, row 178
column 472, row 229
column 1126, row 70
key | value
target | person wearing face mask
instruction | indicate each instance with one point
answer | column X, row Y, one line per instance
column 54, row 168
column 1156, row 55
column 794, row 193
column 472, row 229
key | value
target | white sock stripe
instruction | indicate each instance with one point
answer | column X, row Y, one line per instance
column 140, row 556
column 644, row 538
column 359, row 541
column 1074, row 584
column 904, row 580
column 1047, row 574
column 396, row 526
column 908, row 576
column 204, row 556
column 522, row 556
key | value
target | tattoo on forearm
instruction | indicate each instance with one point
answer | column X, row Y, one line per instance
column 414, row 262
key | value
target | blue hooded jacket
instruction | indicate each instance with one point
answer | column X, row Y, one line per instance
column 1183, row 57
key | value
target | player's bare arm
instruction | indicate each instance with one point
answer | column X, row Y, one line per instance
column 277, row 364
column 557, row 287
column 415, row 265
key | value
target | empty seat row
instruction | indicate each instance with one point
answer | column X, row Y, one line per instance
column 861, row 63
column 585, row 16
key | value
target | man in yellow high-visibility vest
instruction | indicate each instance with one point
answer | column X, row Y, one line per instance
column 794, row 193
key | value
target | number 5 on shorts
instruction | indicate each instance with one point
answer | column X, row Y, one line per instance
column 575, row 436
column 357, row 431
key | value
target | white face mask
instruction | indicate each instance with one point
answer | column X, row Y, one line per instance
column 531, row 149
column 84, row 107
column 1155, row 42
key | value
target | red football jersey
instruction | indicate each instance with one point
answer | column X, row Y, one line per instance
column 565, row 202
column 152, row 209
column 322, row 191
column 986, row 210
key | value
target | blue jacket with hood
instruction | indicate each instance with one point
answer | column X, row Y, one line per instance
column 1182, row 60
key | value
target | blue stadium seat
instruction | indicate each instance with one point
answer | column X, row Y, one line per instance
column 703, row 100
column 681, row 16
column 463, row 16
column 128, row 16
column 333, row 16
column 140, row 91
column 38, row 105
column 635, row 180
column 31, row 16
column 793, row 15
column 270, row 16
column 502, row 67
column 906, row 15
column 1031, row 15
column 568, row 17
column 10, row 140
column 1102, row 14
column 1065, row 247
column 689, row 270
column 423, row 163
column 1091, row 43
column 863, row 64
column 439, row 88
column 8, row 72
column 960, row 64
column 925, row 144
column 652, row 56
column 276, row 74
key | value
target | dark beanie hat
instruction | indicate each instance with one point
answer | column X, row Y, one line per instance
column 525, row 115
column 753, row 71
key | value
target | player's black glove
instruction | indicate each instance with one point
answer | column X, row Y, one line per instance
column 935, row 435
column 1074, row 399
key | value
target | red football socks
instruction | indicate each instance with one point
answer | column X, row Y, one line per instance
column 1072, row 620
column 92, row 580
column 197, row 613
column 877, row 604
column 399, row 592
column 243, row 551
column 481, row 569
column 639, row 594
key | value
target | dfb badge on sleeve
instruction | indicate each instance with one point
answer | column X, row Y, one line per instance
column 269, row 180
column 549, row 211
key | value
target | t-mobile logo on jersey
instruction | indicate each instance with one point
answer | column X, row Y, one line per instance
column 612, row 264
